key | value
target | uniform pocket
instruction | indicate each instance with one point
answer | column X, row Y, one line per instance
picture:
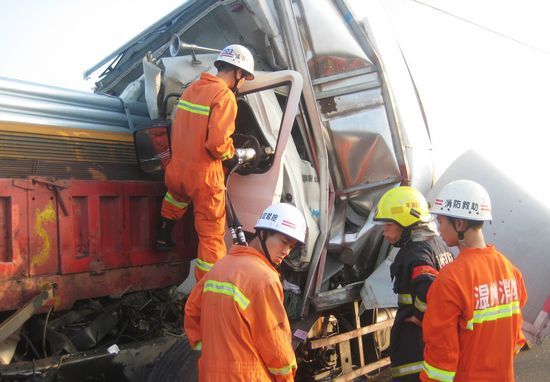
column 214, row 180
column 215, row 193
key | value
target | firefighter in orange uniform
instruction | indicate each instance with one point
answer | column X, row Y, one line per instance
column 201, row 140
column 408, row 225
column 472, row 325
column 235, row 314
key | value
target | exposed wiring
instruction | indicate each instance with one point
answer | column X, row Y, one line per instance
column 44, row 332
column 58, row 367
column 30, row 345
column 482, row 27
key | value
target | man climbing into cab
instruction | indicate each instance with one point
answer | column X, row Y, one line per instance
column 201, row 140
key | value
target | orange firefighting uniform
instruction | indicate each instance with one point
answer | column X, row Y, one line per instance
column 235, row 315
column 472, row 325
column 204, row 122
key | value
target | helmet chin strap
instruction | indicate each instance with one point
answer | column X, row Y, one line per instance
column 262, row 235
column 234, row 89
column 460, row 233
column 404, row 239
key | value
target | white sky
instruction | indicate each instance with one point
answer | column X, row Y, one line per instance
column 54, row 41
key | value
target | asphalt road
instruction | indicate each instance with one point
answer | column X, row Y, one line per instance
column 531, row 365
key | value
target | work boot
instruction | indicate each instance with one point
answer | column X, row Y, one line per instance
column 164, row 240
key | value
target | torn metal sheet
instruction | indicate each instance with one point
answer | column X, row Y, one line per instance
column 377, row 291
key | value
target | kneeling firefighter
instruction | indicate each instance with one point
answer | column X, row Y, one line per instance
column 201, row 140
column 407, row 224
column 236, row 315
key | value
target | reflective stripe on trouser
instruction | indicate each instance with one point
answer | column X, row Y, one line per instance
column 174, row 206
column 205, row 190
column 406, row 349
column 209, row 212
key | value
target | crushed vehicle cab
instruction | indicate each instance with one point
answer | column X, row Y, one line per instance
column 335, row 121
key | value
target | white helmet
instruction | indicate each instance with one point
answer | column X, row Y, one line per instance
column 238, row 56
column 463, row 199
column 284, row 218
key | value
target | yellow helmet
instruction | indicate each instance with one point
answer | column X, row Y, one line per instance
column 403, row 205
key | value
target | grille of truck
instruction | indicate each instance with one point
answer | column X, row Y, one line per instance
column 62, row 133
column 29, row 150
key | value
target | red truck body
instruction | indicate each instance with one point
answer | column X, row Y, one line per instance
column 89, row 238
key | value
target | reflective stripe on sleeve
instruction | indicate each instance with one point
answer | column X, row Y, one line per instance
column 403, row 298
column 193, row 107
column 170, row 199
column 198, row 346
column 227, row 289
column 203, row 265
column 226, row 155
column 407, row 369
column 438, row 374
column 283, row 370
column 493, row 313
column 419, row 304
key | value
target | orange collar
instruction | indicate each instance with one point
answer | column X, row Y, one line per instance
column 239, row 250
column 210, row 77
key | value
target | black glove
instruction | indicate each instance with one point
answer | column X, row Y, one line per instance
column 231, row 162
